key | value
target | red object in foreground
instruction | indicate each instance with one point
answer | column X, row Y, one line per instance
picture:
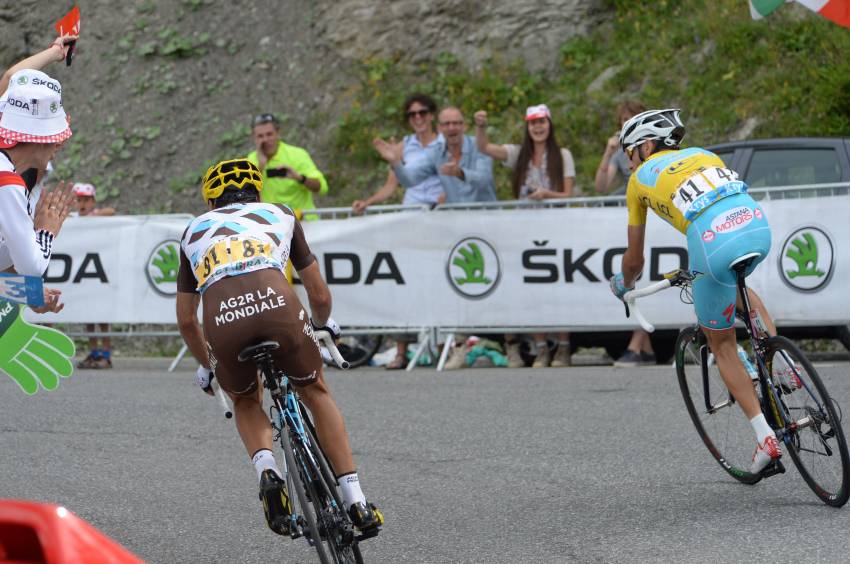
column 40, row 532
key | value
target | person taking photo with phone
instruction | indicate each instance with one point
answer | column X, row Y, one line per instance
column 290, row 176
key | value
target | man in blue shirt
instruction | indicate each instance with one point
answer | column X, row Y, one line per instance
column 466, row 173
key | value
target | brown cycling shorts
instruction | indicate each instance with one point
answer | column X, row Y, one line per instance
column 245, row 310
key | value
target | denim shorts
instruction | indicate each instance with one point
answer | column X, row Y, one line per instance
column 728, row 229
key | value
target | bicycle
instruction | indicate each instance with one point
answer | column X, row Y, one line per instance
column 318, row 515
column 792, row 396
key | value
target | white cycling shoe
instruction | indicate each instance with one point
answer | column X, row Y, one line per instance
column 766, row 452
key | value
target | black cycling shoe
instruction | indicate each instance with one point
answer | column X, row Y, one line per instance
column 276, row 505
column 367, row 518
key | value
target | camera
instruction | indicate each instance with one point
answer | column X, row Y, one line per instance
column 279, row 172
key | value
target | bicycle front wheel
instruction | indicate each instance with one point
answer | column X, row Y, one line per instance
column 813, row 434
column 721, row 424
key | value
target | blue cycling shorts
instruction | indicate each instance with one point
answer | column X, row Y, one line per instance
column 728, row 229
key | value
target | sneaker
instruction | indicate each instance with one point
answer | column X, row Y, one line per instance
column 276, row 505
column 89, row 362
column 630, row 359
column 786, row 376
column 766, row 452
column 366, row 517
column 543, row 358
column 102, row 363
column 457, row 358
column 561, row 358
column 514, row 358
column 398, row 363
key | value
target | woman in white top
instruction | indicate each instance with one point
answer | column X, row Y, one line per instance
column 542, row 170
column 419, row 110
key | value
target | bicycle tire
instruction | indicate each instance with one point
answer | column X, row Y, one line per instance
column 819, row 451
column 330, row 484
column 295, row 477
column 725, row 432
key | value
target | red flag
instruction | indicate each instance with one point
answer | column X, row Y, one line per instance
column 70, row 24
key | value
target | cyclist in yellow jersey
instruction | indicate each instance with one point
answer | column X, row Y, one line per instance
column 693, row 191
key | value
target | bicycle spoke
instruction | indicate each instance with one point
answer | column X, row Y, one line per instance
column 815, row 438
column 720, row 422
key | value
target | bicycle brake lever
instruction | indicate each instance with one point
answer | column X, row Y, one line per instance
column 628, row 313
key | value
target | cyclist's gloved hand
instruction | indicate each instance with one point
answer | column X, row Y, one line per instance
column 618, row 285
column 205, row 376
column 32, row 354
column 330, row 326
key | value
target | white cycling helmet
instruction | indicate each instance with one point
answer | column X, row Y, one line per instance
column 663, row 125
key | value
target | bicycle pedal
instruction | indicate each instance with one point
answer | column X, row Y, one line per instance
column 775, row 467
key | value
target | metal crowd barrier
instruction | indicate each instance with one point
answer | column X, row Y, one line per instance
column 429, row 335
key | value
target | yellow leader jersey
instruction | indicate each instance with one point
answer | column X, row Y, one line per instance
column 679, row 185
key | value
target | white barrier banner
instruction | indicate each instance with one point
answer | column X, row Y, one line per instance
column 462, row 268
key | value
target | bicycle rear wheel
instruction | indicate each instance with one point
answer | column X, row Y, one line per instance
column 814, row 438
column 721, row 424
column 297, row 477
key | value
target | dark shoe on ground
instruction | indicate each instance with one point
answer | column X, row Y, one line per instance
column 276, row 505
column 398, row 363
column 631, row 359
column 366, row 517
column 88, row 362
column 102, row 363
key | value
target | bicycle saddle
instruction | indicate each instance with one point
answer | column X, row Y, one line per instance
column 258, row 350
column 743, row 262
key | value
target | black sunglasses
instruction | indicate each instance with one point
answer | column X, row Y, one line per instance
column 421, row 113
column 264, row 118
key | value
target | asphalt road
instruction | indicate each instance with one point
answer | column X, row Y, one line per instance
column 586, row 464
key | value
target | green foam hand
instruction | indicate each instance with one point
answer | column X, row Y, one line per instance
column 31, row 354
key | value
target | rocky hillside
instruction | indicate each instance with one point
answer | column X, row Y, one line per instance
column 161, row 88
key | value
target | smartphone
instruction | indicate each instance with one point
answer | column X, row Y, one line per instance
column 70, row 56
column 273, row 172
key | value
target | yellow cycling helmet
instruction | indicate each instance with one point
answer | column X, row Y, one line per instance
column 235, row 173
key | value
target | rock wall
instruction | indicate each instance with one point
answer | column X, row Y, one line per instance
column 472, row 30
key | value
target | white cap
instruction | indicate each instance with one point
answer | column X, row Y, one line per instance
column 537, row 112
column 83, row 189
column 32, row 109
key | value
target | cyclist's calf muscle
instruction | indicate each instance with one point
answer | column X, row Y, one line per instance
column 757, row 304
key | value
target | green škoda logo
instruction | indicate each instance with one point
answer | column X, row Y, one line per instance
column 806, row 262
column 473, row 268
column 162, row 266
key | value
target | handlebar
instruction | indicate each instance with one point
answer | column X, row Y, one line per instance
column 328, row 341
column 631, row 304
column 323, row 336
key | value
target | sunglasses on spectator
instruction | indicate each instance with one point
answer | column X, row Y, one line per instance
column 264, row 118
column 417, row 113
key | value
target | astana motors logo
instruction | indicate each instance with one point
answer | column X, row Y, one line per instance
column 807, row 260
column 162, row 266
column 473, row 268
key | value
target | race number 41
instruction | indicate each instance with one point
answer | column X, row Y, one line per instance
column 700, row 184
